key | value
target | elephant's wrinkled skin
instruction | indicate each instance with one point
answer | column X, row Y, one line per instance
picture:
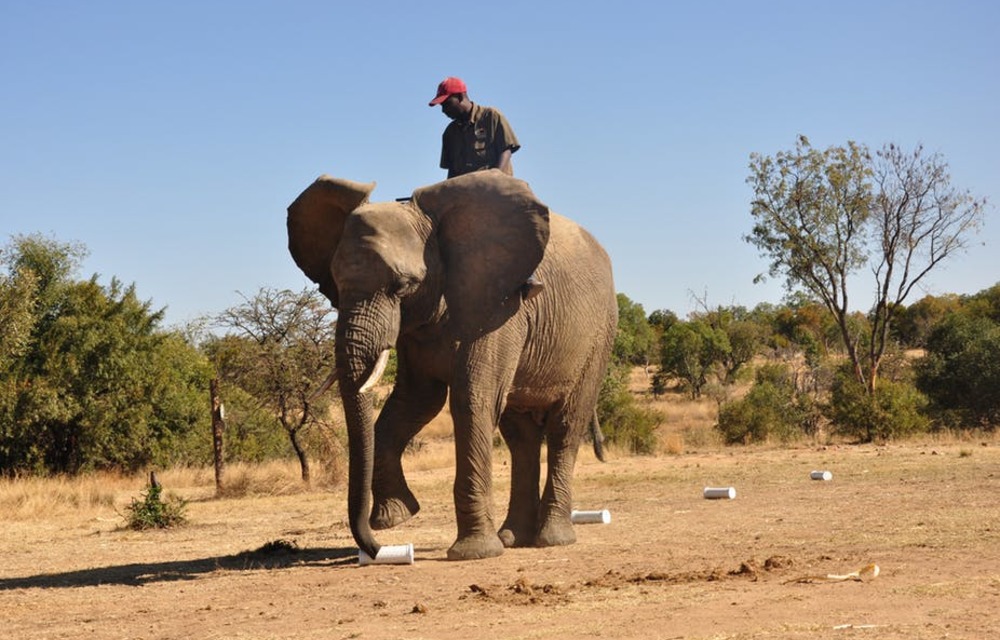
column 438, row 278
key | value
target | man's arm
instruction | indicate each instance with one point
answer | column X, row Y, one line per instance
column 503, row 162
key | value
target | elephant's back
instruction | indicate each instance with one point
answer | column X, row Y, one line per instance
column 569, row 236
column 578, row 261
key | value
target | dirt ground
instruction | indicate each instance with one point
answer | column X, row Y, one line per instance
column 671, row 564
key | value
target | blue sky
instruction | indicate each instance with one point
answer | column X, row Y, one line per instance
column 169, row 137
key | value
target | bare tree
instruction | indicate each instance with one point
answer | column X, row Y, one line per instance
column 821, row 216
column 281, row 349
column 920, row 220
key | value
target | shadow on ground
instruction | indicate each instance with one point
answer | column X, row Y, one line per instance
column 270, row 556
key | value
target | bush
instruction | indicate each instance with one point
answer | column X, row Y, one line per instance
column 961, row 372
column 152, row 512
column 623, row 421
column 895, row 410
column 771, row 410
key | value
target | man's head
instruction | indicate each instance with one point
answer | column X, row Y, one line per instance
column 453, row 97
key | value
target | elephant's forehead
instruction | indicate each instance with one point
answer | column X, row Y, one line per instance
column 380, row 233
column 383, row 225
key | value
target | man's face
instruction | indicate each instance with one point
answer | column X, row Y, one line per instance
column 452, row 107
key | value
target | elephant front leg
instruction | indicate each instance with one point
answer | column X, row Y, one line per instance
column 478, row 394
column 477, row 533
column 524, row 439
column 405, row 413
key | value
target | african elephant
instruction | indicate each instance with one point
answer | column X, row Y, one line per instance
column 438, row 276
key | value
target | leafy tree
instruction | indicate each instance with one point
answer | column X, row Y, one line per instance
column 278, row 351
column 744, row 338
column 689, row 350
column 96, row 384
column 17, row 294
column 961, row 371
column 661, row 320
column 822, row 216
column 985, row 304
column 914, row 323
column 635, row 340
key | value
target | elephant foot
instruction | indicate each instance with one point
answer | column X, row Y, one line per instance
column 476, row 547
column 513, row 535
column 554, row 534
column 393, row 511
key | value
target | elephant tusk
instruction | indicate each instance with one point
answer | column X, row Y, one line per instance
column 323, row 388
column 383, row 359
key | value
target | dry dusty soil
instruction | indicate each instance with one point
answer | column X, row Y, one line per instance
column 671, row 564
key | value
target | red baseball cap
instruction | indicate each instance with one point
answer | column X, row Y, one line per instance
column 448, row 87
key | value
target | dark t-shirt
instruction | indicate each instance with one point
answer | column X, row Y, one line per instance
column 476, row 144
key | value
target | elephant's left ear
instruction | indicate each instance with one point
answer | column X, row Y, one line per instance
column 492, row 231
column 316, row 224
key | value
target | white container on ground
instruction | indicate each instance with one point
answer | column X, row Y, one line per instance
column 389, row 554
column 821, row 475
column 720, row 493
column 590, row 517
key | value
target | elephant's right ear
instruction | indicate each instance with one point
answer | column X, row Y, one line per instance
column 316, row 224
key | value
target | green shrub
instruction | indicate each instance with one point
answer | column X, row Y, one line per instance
column 623, row 420
column 961, row 372
column 771, row 410
column 152, row 512
column 895, row 410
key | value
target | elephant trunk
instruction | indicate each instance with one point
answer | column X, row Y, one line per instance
column 361, row 442
column 362, row 350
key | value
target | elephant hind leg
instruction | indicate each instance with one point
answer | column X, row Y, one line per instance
column 523, row 436
column 563, row 439
column 564, row 431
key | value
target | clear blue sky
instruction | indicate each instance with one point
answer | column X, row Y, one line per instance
column 169, row 137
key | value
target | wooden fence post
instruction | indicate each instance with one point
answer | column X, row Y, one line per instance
column 218, row 427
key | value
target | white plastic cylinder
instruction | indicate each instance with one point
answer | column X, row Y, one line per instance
column 720, row 493
column 388, row 554
column 590, row 517
column 821, row 475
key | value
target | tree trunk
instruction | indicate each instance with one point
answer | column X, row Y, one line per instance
column 300, row 452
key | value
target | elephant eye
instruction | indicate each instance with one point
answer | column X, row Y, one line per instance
column 404, row 286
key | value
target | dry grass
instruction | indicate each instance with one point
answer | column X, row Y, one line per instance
column 26, row 498
column 688, row 428
column 97, row 494
column 688, row 425
column 279, row 478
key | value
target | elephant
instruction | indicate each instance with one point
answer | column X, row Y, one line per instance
column 437, row 276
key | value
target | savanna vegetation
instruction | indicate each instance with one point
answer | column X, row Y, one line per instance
column 91, row 380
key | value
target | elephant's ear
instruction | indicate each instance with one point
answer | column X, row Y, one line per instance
column 492, row 231
column 316, row 224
